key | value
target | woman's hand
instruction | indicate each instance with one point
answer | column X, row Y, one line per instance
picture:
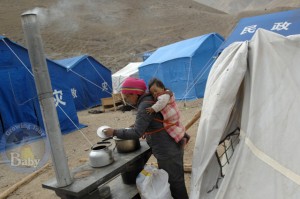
column 109, row 132
column 150, row 110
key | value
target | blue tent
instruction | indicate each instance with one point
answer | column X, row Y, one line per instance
column 88, row 79
column 183, row 66
column 284, row 23
column 18, row 97
column 146, row 55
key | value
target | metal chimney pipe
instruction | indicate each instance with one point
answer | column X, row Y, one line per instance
column 45, row 95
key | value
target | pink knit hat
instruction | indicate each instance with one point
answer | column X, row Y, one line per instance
column 133, row 85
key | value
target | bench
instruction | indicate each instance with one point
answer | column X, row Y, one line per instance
column 89, row 182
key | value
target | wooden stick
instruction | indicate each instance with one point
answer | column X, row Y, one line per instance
column 193, row 120
column 27, row 179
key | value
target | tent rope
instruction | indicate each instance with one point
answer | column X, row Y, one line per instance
column 98, row 72
column 82, row 104
column 89, row 81
column 76, row 126
column 18, row 103
column 154, row 74
column 36, row 96
column 188, row 80
column 17, row 57
column 199, row 76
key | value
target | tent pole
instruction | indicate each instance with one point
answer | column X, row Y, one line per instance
column 45, row 96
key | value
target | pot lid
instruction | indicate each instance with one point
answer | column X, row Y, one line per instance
column 116, row 138
column 100, row 132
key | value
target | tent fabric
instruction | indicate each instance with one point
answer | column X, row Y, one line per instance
column 88, row 79
column 146, row 55
column 183, row 66
column 258, row 83
column 285, row 23
column 18, row 97
column 130, row 70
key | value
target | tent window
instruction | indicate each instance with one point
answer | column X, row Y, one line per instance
column 224, row 154
column 226, row 148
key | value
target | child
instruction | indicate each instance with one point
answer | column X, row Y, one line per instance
column 167, row 106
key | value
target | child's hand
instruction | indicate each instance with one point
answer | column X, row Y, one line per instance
column 169, row 93
column 149, row 110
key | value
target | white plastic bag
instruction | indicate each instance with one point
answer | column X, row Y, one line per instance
column 152, row 183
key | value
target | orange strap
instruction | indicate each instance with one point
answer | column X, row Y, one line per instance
column 158, row 120
column 157, row 130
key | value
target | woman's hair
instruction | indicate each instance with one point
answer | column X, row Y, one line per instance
column 157, row 82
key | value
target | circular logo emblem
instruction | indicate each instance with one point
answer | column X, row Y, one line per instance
column 24, row 147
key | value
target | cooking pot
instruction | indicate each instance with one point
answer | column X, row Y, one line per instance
column 101, row 154
column 125, row 146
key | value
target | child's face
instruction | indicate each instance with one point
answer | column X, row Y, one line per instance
column 155, row 90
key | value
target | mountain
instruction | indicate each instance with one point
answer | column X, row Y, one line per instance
column 112, row 31
column 235, row 7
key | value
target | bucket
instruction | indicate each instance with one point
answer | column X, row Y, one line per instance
column 132, row 171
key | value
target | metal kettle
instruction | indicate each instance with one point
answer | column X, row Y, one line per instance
column 101, row 155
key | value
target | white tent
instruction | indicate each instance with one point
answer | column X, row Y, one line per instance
column 255, row 86
column 130, row 70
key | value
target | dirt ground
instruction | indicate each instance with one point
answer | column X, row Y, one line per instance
column 77, row 149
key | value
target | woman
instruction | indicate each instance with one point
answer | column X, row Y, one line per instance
column 168, row 153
